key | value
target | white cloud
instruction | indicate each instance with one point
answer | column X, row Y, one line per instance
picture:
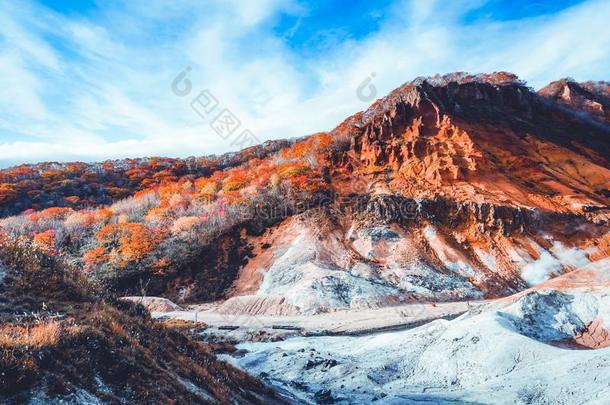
column 21, row 90
column 104, row 91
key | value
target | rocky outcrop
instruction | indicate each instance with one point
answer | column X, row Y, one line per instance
column 487, row 218
column 479, row 139
column 154, row 304
column 594, row 336
column 592, row 98
column 451, row 187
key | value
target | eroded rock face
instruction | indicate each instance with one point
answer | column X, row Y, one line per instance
column 595, row 335
column 465, row 187
column 592, row 98
column 416, row 139
column 450, row 188
column 484, row 217
column 387, row 249
column 481, row 140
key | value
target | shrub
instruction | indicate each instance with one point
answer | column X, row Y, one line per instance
column 127, row 242
column 234, row 183
column 95, row 256
column 42, row 334
column 185, row 225
column 45, row 240
column 292, row 169
column 8, row 192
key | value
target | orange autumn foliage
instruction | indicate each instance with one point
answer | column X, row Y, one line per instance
column 127, row 242
column 206, row 185
column 187, row 207
column 103, row 215
column 53, row 213
column 323, row 141
column 237, row 180
column 292, row 169
column 98, row 184
column 96, row 255
column 166, row 191
column 8, row 192
column 309, row 147
column 45, row 240
column 72, row 200
column 161, row 266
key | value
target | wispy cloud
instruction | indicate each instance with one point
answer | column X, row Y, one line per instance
column 96, row 84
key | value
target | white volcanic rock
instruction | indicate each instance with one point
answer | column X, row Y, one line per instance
column 314, row 287
column 515, row 350
column 316, row 274
column 311, row 264
column 155, row 304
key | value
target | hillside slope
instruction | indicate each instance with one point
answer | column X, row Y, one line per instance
column 81, row 185
column 64, row 341
column 451, row 187
column 456, row 187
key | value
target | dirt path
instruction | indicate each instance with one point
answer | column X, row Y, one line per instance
column 350, row 322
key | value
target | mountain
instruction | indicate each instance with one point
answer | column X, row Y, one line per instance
column 450, row 189
column 458, row 187
column 589, row 97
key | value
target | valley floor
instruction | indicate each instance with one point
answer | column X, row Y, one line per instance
column 546, row 345
column 341, row 322
column 502, row 355
column 438, row 363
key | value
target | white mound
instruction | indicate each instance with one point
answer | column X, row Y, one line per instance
column 512, row 352
column 155, row 304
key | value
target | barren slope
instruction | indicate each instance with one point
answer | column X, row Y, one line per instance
column 528, row 348
column 447, row 189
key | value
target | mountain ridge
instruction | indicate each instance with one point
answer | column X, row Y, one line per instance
column 449, row 190
column 485, row 168
column 588, row 97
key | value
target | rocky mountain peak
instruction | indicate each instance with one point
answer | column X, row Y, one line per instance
column 451, row 92
column 590, row 97
column 495, row 78
column 479, row 96
column 474, row 137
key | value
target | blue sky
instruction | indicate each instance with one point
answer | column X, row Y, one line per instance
column 91, row 79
